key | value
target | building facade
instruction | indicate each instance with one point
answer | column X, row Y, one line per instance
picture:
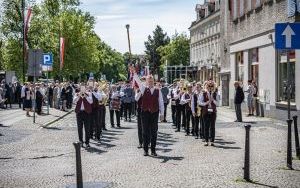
column 205, row 41
column 253, row 55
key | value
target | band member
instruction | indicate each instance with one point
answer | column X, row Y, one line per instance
column 196, row 110
column 152, row 105
column 114, row 106
column 83, row 109
column 186, row 102
column 180, row 110
column 165, row 92
column 95, row 115
column 209, row 101
column 102, row 110
column 127, row 101
column 173, row 102
column 138, row 98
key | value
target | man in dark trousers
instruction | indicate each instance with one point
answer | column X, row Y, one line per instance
column 238, row 99
column 83, row 109
column 165, row 93
column 69, row 95
column 152, row 104
column 127, row 100
column 138, row 98
column 95, row 122
column 39, row 100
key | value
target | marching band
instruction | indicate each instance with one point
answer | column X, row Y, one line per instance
column 193, row 108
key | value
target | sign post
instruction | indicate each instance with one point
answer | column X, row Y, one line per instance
column 287, row 37
column 48, row 62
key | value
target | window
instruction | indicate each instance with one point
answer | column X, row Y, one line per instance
column 283, row 73
column 239, row 66
column 242, row 8
column 254, row 65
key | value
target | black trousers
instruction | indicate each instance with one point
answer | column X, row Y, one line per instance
column 83, row 120
column 111, row 113
column 150, row 128
column 127, row 110
column 165, row 111
column 179, row 109
column 210, row 124
column 196, row 126
column 102, row 117
column 39, row 104
column 140, row 126
column 202, row 126
column 189, row 118
column 95, row 124
column 238, row 112
column 173, row 108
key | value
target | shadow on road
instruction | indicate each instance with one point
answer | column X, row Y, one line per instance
column 165, row 159
column 220, row 143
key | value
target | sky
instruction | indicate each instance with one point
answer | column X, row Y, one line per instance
column 143, row 16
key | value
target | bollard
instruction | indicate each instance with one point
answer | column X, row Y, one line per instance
column 78, row 165
column 289, row 145
column 296, row 137
column 247, row 154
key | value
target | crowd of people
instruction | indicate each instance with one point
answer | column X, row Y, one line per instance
column 193, row 105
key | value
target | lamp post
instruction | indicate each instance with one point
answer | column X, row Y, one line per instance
column 23, row 36
column 128, row 37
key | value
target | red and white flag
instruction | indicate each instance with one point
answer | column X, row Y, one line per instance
column 27, row 22
column 61, row 52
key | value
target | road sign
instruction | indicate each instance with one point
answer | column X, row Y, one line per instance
column 35, row 60
column 287, row 36
column 48, row 59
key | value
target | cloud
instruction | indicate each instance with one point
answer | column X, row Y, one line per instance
column 111, row 17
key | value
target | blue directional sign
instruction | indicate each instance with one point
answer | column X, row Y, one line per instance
column 287, row 36
column 48, row 59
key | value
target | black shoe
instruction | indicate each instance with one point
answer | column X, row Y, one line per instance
column 81, row 144
column 212, row 144
column 187, row 134
column 153, row 153
column 177, row 131
column 104, row 129
column 146, row 153
column 130, row 120
column 140, row 146
column 206, row 144
column 197, row 137
column 119, row 126
column 88, row 146
column 112, row 126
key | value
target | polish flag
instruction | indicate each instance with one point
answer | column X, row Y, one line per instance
column 61, row 52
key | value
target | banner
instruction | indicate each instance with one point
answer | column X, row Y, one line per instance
column 61, row 52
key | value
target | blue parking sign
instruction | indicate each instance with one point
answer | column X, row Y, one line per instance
column 48, row 59
column 287, row 36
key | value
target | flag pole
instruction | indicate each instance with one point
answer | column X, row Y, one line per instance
column 23, row 35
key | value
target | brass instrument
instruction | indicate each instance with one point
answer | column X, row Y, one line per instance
column 103, row 86
column 198, row 111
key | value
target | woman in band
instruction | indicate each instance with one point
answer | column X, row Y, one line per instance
column 209, row 100
column 115, row 105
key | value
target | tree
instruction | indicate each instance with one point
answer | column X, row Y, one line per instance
column 177, row 52
column 159, row 38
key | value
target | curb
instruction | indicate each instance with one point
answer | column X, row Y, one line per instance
column 51, row 122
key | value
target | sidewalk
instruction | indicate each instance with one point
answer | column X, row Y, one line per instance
column 15, row 116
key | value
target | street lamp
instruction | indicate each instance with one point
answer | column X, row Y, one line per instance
column 127, row 27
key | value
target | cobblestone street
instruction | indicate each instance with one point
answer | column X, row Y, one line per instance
column 45, row 157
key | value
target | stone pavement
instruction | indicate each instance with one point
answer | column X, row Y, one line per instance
column 46, row 157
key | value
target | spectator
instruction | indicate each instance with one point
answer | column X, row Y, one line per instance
column 165, row 92
column 250, row 91
column 238, row 99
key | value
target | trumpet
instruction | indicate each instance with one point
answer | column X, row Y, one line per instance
column 198, row 111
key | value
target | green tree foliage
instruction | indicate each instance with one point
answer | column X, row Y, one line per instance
column 159, row 38
column 52, row 19
column 177, row 51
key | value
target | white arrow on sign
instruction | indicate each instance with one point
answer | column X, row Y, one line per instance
column 288, row 33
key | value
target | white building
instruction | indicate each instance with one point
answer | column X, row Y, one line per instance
column 205, row 40
column 254, row 57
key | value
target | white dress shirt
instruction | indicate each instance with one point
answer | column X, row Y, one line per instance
column 89, row 98
column 143, row 88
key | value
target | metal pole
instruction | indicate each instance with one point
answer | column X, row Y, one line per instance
column 289, row 85
column 78, row 165
column 48, row 96
column 128, row 37
column 23, row 35
column 247, row 154
column 289, row 145
column 296, row 137
column 34, row 80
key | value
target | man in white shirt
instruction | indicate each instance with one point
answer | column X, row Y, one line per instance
column 152, row 104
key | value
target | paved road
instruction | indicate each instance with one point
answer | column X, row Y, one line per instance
column 46, row 158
